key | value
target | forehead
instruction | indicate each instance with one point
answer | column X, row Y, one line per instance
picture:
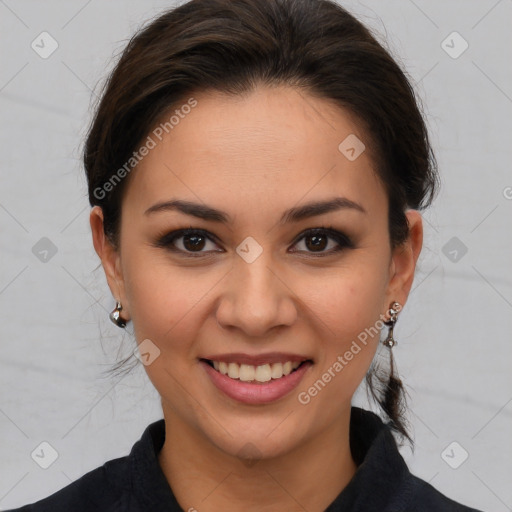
column 270, row 146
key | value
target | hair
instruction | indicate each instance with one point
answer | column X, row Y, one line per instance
column 232, row 46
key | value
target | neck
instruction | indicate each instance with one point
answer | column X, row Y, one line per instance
column 206, row 479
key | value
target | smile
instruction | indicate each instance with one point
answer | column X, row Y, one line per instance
column 251, row 373
column 259, row 383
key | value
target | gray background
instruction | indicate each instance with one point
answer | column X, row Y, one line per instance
column 454, row 349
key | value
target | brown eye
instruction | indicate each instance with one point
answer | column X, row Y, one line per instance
column 197, row 242
column 316, row 242
column 193, row 242
column 319, row 239
column 188, row 241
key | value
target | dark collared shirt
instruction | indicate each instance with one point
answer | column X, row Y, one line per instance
column 136, row 483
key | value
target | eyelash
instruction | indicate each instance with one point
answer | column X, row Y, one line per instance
column 166, row 241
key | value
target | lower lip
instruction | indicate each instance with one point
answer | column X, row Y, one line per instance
column 260, row 393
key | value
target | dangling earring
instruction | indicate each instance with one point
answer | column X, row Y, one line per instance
column 115, row 315
column 394, row 309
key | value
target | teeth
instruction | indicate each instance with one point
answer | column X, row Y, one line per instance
column 233, row 371
column 247, row 372
column 261, row 373
column 277, row 371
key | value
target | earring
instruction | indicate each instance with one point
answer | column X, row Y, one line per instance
column 394, row 309
column 115, row 315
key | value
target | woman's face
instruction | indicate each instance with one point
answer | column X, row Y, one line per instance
column 253, row 285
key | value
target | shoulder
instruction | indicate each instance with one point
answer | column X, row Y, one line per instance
column 131, row 483
column 105, row 488
column 426, row 498
column 382, row 469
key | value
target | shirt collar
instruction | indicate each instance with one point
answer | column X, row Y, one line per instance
column 149, row 483
column 381, row 478
column 380, row 471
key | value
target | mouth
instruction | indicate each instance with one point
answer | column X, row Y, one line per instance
column 257, row 374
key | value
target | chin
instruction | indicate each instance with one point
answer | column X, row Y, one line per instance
column 251, row 440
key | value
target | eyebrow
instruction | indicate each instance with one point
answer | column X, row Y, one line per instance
column 294, row 214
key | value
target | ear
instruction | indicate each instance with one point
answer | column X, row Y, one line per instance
column 110, row 260
column 403, row 260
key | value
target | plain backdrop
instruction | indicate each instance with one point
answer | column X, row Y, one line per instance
column 455, row 342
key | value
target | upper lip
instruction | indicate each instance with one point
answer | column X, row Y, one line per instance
column 257, row 360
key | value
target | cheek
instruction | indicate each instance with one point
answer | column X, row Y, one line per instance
column 347, row 308
column 351, row 297
column 347, row 330
column 169, row 304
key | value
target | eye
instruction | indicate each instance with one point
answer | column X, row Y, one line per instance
column 188, row 241
column 317, row 240
column 200, row 242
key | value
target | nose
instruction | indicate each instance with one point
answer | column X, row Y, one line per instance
column 256, row 298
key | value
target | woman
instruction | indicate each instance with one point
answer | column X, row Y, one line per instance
column 256, row 170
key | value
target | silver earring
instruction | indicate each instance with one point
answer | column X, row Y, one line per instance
column 115, row 315
column 394, row 309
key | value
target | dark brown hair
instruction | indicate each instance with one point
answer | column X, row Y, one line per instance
column 234, row 45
